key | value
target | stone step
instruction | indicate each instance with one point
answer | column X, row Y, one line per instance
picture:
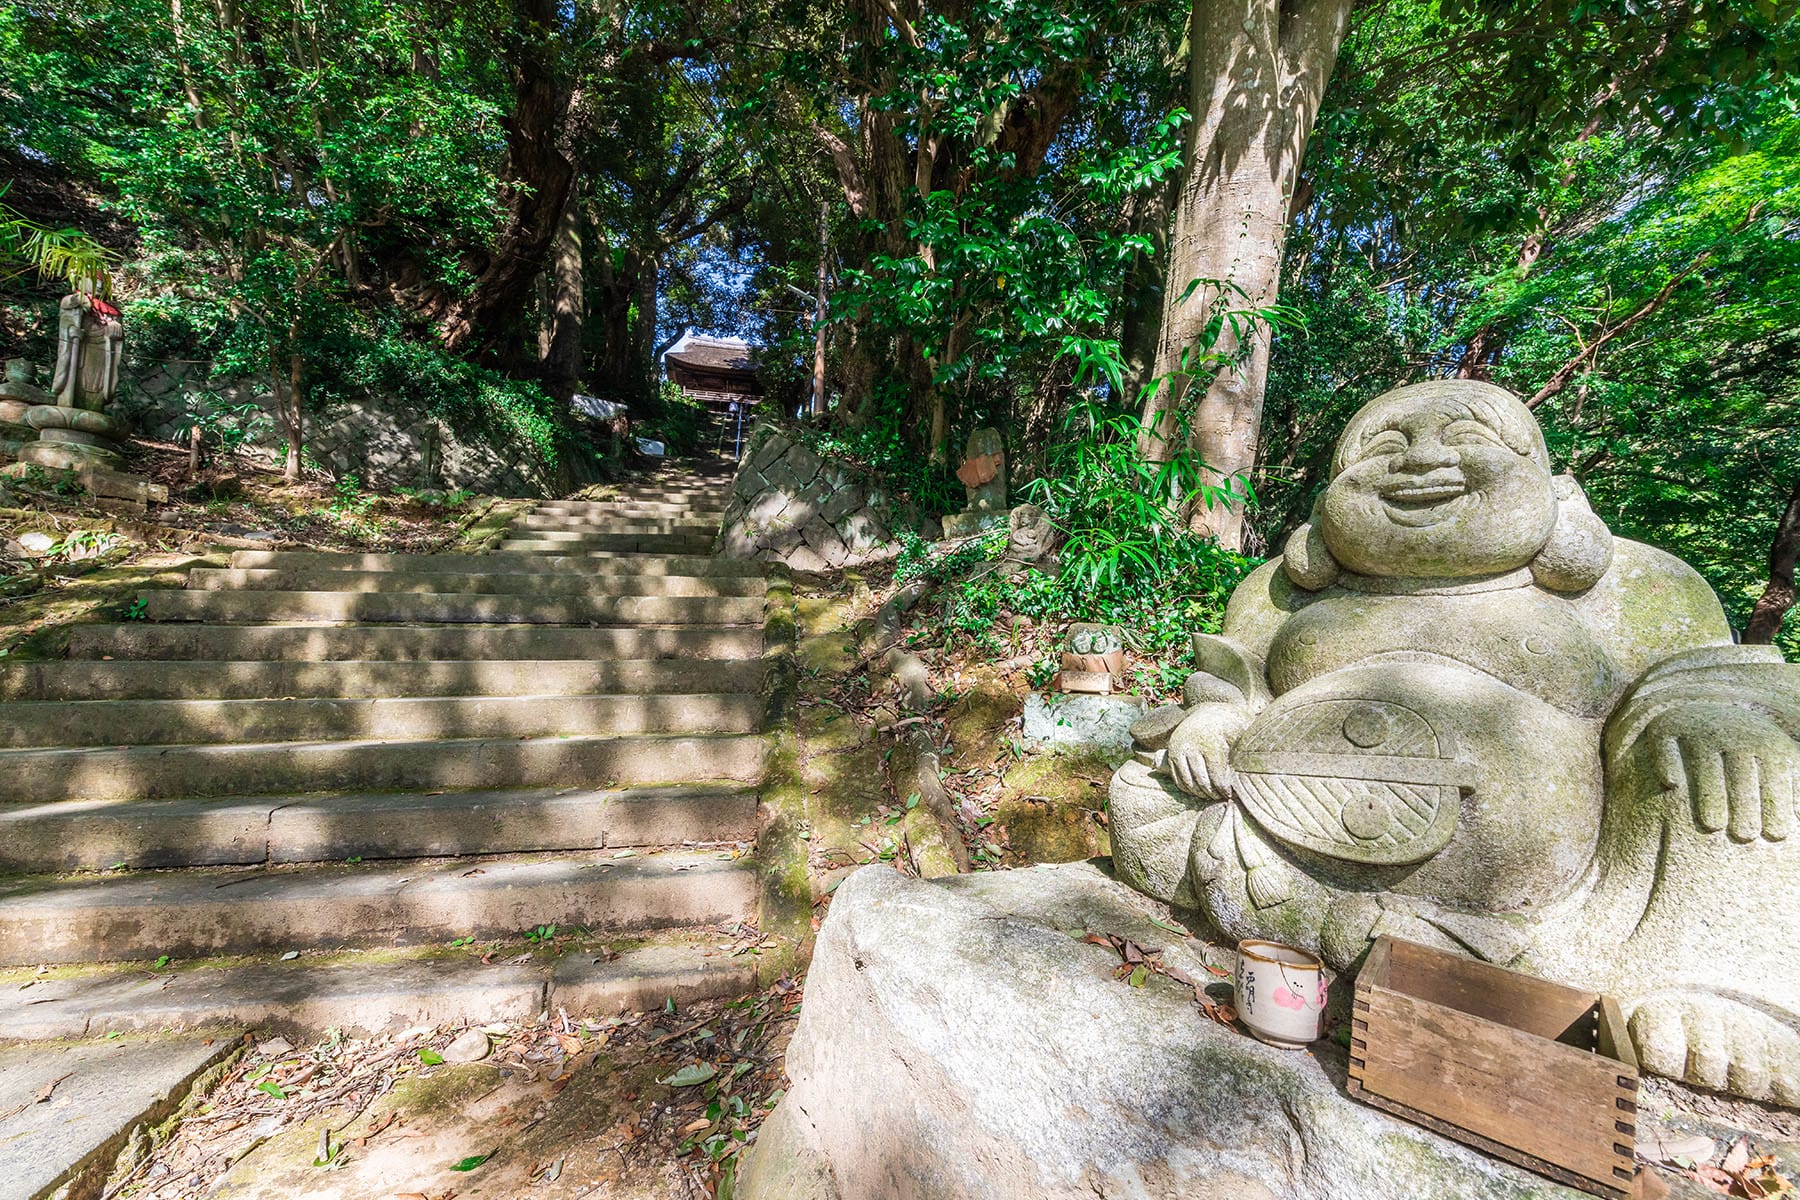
column 333, row 643
column 598, row 563
column 499, row 583
column 685, row 500
column 89, row 679
column 449, row 608
column 360, row 993
column 72, row 1109
column 630, row 508
column 273, row 768
column 211, row 911
column 92, row 835
column 583, row 523
column 549, row 541
column 212, row 722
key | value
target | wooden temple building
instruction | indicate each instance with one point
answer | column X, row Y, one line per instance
column 721, row 374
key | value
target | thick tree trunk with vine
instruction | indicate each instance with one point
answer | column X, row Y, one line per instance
column 643, row 330
column 1779, row 596
column 507, row 274
column 1256, row 74
column 615, row 290
column 562, row 351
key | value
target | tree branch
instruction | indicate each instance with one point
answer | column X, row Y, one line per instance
column 856, row 191
column 1558, row 381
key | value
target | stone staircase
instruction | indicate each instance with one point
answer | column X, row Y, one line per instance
column 351, row 752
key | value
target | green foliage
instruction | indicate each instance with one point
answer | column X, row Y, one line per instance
column 273, row 160
column 1645, row 295
column 1128, row 559
column 224, row 426
column 679, row 421
column 994, row 278
column 348, row 499
column 67, row 255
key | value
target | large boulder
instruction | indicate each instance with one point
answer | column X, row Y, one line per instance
column 960, row 1041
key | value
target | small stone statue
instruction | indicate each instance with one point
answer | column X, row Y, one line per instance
column 983, row 475
column 1093, row 656
column 1460, row 711
column 1032, row 540
column 19, row 385
column 90, row 341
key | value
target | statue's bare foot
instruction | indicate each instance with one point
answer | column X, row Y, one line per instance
column 1715, row 1042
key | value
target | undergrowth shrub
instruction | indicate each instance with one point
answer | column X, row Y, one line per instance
column 1129, row 559
column 677, row 420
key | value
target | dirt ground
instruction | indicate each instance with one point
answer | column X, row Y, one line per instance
column 642, row 1105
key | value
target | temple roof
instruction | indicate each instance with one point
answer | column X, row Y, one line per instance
column 712, row 354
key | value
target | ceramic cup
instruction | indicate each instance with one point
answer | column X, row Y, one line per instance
column 1280, row 993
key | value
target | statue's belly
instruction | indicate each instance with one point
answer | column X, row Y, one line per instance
column 1524, row 637
column 1428, row 779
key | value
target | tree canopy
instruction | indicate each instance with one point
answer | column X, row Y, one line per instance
column 1020, row 214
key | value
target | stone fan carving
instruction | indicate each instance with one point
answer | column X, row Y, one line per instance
column 1370, row 781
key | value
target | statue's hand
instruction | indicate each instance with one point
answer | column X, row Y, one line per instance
column 1199, row 755
column 1734, row 765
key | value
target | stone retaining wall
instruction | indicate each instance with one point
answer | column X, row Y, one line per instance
column 790, row 505
column 383, row 443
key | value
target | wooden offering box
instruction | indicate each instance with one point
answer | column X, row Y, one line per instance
column 1537, row 1074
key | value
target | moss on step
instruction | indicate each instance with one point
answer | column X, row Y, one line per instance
column 785, row 903
column 487, row 523
column 35, row 627
column 781, row 852
column 977, row 722
column 1050, row 806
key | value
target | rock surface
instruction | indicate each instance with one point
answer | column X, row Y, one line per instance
column 958, row 1042
column 1087, row 724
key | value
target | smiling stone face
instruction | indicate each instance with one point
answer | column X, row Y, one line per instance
column 1448, row 479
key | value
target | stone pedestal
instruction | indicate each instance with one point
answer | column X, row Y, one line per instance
column 73, row 438
column 960, row 1040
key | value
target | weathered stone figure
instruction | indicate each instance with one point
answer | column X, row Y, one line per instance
column 89, row 344
column 983, row 476
column 1458, row 710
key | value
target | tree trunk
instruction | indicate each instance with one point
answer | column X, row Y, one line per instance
column 288, row 375
column 615, row 290
column 1257, row 71
column 535, row 203
column 818, row 379
column 1778, row 598
column 562, row 356
column 643, row 330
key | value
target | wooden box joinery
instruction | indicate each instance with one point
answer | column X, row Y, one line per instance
column 1538, row 1074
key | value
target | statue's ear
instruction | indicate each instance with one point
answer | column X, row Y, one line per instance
column 1306, row 558
column 1580, row 547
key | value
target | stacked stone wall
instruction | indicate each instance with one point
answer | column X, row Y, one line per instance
column 791, row 505
column 384, row 443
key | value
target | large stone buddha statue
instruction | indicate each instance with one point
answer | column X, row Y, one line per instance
column 1460, row 711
